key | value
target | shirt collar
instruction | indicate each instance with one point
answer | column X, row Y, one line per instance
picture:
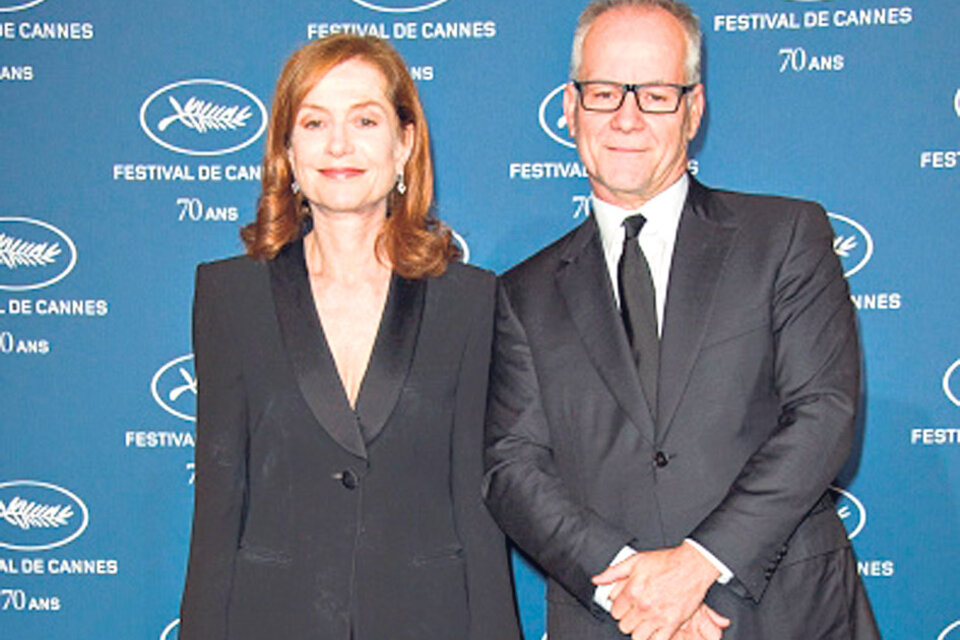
column 662, row 213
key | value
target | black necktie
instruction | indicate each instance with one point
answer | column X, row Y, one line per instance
column 638, row 306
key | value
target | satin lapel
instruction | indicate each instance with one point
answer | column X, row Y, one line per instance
column 705, row 235
column 307, row 349
column 392, row 354
column 583, row 281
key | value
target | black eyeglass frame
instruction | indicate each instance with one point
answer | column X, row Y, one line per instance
column 633, row 88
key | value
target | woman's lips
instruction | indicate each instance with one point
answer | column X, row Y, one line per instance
column 341, row 173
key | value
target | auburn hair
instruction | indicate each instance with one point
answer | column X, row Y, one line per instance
column 415, row 241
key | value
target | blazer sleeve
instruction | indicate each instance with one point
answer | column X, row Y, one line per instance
column 817, row 379
column 220, row 483
column 523, row 487
column 492, row 608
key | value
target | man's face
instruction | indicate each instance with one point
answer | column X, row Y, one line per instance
column 632, row 156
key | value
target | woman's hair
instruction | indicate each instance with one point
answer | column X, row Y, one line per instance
column 416, row 243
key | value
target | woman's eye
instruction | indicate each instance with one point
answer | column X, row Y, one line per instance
column 312, row 124
column 367, row 122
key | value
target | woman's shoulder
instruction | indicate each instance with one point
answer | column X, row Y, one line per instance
column 467, row 275
column 232, row 268
column 227, row 275
column 464, row 290
column 226, row 267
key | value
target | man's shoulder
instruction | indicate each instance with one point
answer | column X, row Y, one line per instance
column 740, row 204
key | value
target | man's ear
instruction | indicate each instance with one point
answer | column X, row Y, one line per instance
column 696, row 105
column 570, row 108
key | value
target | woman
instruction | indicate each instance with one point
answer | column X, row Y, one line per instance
column 342, row 367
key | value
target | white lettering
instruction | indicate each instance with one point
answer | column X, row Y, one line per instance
column 875, row 568
column 818, row 19
column 153, row 173
column 315, row 30
column 935, row 436
column 458, row 30
column 155, row 439
column 877, row 301
column 541, row 170
column 939, row 159
column 16, row 74
column 55, row 31
column 870, row 17
column 63, row 566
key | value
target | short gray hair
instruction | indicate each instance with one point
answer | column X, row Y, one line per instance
column 679, row 10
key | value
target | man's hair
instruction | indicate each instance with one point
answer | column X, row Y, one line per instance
column 679, row 10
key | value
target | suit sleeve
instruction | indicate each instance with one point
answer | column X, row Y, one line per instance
column 817, row 379
column 493, row 613
column 523, row 487
column 220, row 484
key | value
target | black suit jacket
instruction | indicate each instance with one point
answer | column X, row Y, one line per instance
column 313, row 520
column 757, row 394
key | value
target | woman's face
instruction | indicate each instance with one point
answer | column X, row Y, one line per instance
column 346, row 146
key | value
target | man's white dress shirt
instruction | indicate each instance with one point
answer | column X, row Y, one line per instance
column 657, row 239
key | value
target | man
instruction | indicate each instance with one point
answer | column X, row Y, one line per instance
column 681, row 397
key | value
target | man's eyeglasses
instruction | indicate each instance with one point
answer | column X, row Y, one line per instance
column 607, row 97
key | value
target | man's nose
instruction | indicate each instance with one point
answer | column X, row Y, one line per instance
column 629, row 117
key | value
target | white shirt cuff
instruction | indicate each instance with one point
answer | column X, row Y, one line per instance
column 725, row 574
column 601, row 595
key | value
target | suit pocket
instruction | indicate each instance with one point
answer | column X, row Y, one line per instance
column 821, row 532
column 263, row 555
column 448, row 553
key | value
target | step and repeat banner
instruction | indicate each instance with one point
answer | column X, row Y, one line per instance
column 130, row 139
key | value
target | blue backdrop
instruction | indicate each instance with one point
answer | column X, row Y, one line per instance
column 130, row 139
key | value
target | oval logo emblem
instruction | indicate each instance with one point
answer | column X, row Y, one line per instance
column 202, row 117
column 171, row 631
column 463, row 246
column 851, row 242
column 10, row 7
column 946, row 632
column 33, row 254
column 552, row 120
column 851, row 511
column 948, row 383
column 398, row 6
column 174, row 387
column 36, row 516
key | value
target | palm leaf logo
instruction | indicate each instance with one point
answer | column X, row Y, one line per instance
column 843, row 246
column 202, row 116
column 31, row 515
column 16, row 252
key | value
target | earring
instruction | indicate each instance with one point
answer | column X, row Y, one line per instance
column 295, row 187
column 401, row 187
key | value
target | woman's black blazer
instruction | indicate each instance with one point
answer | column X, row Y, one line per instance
column 316, row 521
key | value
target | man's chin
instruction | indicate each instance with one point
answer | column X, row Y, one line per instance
column 625, row 195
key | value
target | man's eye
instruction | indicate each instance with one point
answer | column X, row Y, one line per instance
column 604, row 94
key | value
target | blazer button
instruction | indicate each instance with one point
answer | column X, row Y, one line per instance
column 661, row 459
column 349, row 479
